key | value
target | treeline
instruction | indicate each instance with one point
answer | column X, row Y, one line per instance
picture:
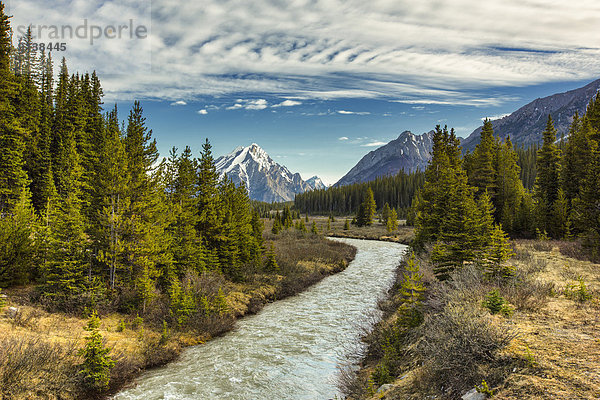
column 89, row 214
column 398, row 191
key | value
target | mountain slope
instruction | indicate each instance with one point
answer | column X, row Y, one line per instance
column 408, row 152
column 525, row 126
column 265, row 179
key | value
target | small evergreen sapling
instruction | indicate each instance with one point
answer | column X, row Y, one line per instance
column 97, row 363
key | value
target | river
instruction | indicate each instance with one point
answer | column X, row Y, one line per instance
column 291, row 349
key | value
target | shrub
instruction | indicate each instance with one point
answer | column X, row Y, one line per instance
column 495, row 303
column 577, row 291
column 26, row 359
column 457, row 344
column 381, row 375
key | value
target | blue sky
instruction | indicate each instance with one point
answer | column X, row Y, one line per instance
column 319, row 83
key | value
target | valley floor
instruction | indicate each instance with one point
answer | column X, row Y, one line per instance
column 553, row 347
column 38, row 349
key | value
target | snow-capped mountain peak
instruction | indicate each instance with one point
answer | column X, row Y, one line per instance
column 316, row 183
column 265, row 179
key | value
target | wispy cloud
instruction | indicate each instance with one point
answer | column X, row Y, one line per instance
column 450, row 52
column 179, row 103
column 344, row 112
column 494, row 117
column 343, row 138
column 374, row 144
column 203, row 111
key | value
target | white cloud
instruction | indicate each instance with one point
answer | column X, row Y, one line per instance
column 374, row 144
column 494, row 117
column 258, row 104
column 202, row 112
column 236, row 106
column 450, row 52
column 344, row 112
column 343, row 138
column 179, row 103
column 288, row 103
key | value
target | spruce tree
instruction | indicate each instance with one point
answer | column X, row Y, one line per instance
column 367, row 209
column 97, row 364
column 483, row 175
column 547, row 181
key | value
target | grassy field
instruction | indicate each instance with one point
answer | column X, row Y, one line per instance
column 38, row 350
column 547, row 347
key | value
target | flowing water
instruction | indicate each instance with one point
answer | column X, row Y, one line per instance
column 292, row 348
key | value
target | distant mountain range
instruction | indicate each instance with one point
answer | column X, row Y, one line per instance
column 265, row 179
column 525, row 126
column 408, row 152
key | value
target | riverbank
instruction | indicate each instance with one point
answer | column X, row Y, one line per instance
column 542, row 341
column 38, row 351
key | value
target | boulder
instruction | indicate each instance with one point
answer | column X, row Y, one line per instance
column 473, row 395
column 384, row 388
column 12, row 312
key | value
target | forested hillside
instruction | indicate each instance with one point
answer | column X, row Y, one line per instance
column 398, row 191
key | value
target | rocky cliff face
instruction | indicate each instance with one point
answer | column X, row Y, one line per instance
column 408, row 152
column 265, row 179
column 525, row 126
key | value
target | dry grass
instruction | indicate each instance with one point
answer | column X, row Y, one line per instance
column 560, row 343
column 556, row 351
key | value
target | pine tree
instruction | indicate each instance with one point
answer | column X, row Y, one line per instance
column 97, row 364
column 508, row 185
column 13, row 137
column 209, row 201
column 483, row 175
column 146, row 239
column 392, row 221
column 367, row 209
column 547, row 181
column 18, row 243
column 411, row 288
column 271, row 262
column 496, row 254
column 313, row 228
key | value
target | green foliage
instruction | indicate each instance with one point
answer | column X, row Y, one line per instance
column 381, row 375
column 411, row 287
column 484, row 388
column 398, row 191
column 577, row 291
column 497, row 254
column 97, row 363
column 367, row 209
column 496, row 304
column 547, row 181
column 271, row 262
column 313, row 228
column 120, row 326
